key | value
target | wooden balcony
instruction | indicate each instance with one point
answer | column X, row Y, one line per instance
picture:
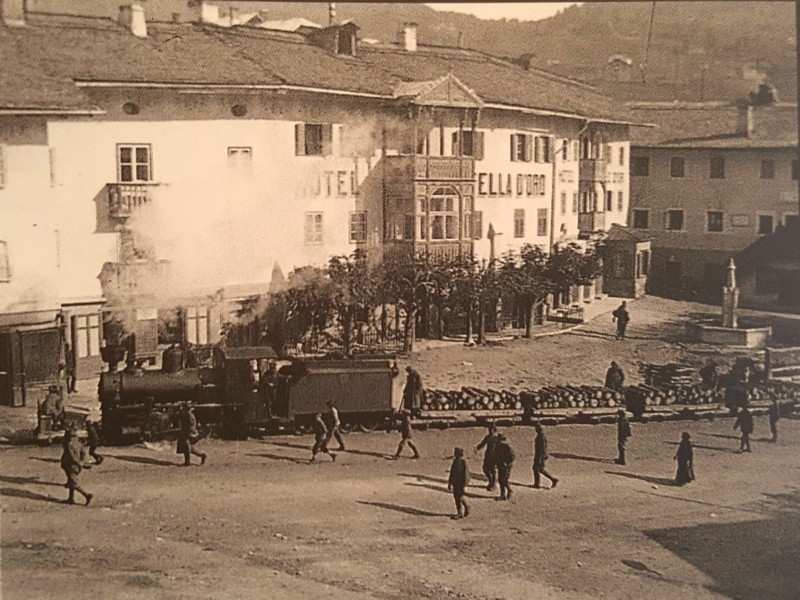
column 434, row 168
column 124, row 198
column 592, row 169
column 592, row 221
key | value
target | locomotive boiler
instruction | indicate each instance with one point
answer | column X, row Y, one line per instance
column 246, row 389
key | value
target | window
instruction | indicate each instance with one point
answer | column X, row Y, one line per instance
column 519, row 222
column 640, row 166
column 765, row 224
column 620, row 201
column 574, row 202
column 313, row 139
column 790, row 220
column 473, row 144
column 197, row 325
column 87, row 335
column 674, row 220
column 767, row 169
column 542, row 153
column 795, row 170
column 717, row 167
column 541, row 222
column 676, row 166
column 609, row 201
column 240, row 159
column 622, row 156
column 564, row 149
column 645, row 264
column 477, row 225
column 358, row 227
column 443, row 213
column 641, row 218
column 312, row 233
column 714, row 220
column 5, row 268
column 576, row 149
column 134, row 163
column 521, row 147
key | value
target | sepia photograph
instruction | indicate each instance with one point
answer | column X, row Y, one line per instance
column 399, row 301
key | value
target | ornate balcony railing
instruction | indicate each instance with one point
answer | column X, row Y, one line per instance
column 124, row 198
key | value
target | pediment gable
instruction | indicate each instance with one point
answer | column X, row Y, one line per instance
column 445, row 91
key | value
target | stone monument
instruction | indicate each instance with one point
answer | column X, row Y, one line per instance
column 730, row 298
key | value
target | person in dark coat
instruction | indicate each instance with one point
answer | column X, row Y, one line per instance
column 405, row 435
column 504, row 459
column 623, row 433
column 334, row 424
column 744, row 422
column 320, row 439
column 93, row 439
column 72, row 463
column 539, row 457
column 69, row 368
column 614, row 377
column 621, row 317
column 774, row 417
column 412, row 392
column 459, row 478
column 709, row 378
column 53, row 406
column 685, row 458
column 489, row 442
column 189, row 436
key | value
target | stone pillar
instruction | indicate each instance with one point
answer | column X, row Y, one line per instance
column 730, row 298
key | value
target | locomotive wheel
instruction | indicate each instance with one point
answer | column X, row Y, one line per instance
column 368, row 423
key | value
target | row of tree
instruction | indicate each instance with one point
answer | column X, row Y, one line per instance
column 354, row 294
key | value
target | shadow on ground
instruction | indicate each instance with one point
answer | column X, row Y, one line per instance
column 417, row 512
column 647, row 478
column 731, row 553
column 608, row 461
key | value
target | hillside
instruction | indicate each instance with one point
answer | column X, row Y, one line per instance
column 699, row 50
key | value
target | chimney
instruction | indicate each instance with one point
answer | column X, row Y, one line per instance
column 13, row 12
column 409, row 37
column 460, row 43
column 131, row 16
column 331, row 13
column 745, row 124
column 204, row 12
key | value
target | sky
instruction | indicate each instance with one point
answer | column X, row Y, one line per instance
column 530, row 11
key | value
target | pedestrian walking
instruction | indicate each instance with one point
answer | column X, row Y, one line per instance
column 412, row 392
column 621, row 316
column 744, row 422
column 489, row 442
column 615, row 377
column 321, row 438
column 459, row 478
column 72, row 463
column 189, row 436
column 623, row 433
column 69, row 368
column 685, row 458
column 405, row 435
column 539, row 457
column 334, row 425
column 93, row 440
column 504, row 459
column 774, row 417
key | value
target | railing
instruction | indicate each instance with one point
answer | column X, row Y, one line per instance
column 434, row 167
column 592, row 221
column 592, row 169
column 124, row 198
column 444, row 250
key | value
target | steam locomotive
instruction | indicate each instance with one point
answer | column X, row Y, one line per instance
column 245, row 389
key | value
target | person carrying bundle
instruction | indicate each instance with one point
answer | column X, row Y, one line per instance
column 489, row 442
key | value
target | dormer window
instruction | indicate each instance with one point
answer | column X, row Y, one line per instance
column 339, row 39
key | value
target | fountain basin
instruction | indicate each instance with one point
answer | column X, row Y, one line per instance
column 715, row 333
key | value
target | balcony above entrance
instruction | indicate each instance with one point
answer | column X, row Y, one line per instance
column 124, row 198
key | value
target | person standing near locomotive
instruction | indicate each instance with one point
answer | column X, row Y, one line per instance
column 457, row 482
column 615, row 377
column 744, row 422
column 621, row 317
column 489, row 442
column 334, row 424
column 539, row 457
column 189, row 436
column 623, row 433
column 321, row 438
column 504, row 459
column 685, row 458
column 72, row 463
column 405, row 435
column 774, row 416
column 412, row 393
column 93, row 439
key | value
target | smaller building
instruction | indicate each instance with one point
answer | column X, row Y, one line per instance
column 769, row 270
column 626, row 263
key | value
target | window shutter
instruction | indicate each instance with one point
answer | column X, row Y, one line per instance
column 546, row 149
column 528, row 147
column 477, row 145
column 327, row 139
column 513, row 147
column 2, row 166
column 454, row 149
column 299, row 139
column 477, row 225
